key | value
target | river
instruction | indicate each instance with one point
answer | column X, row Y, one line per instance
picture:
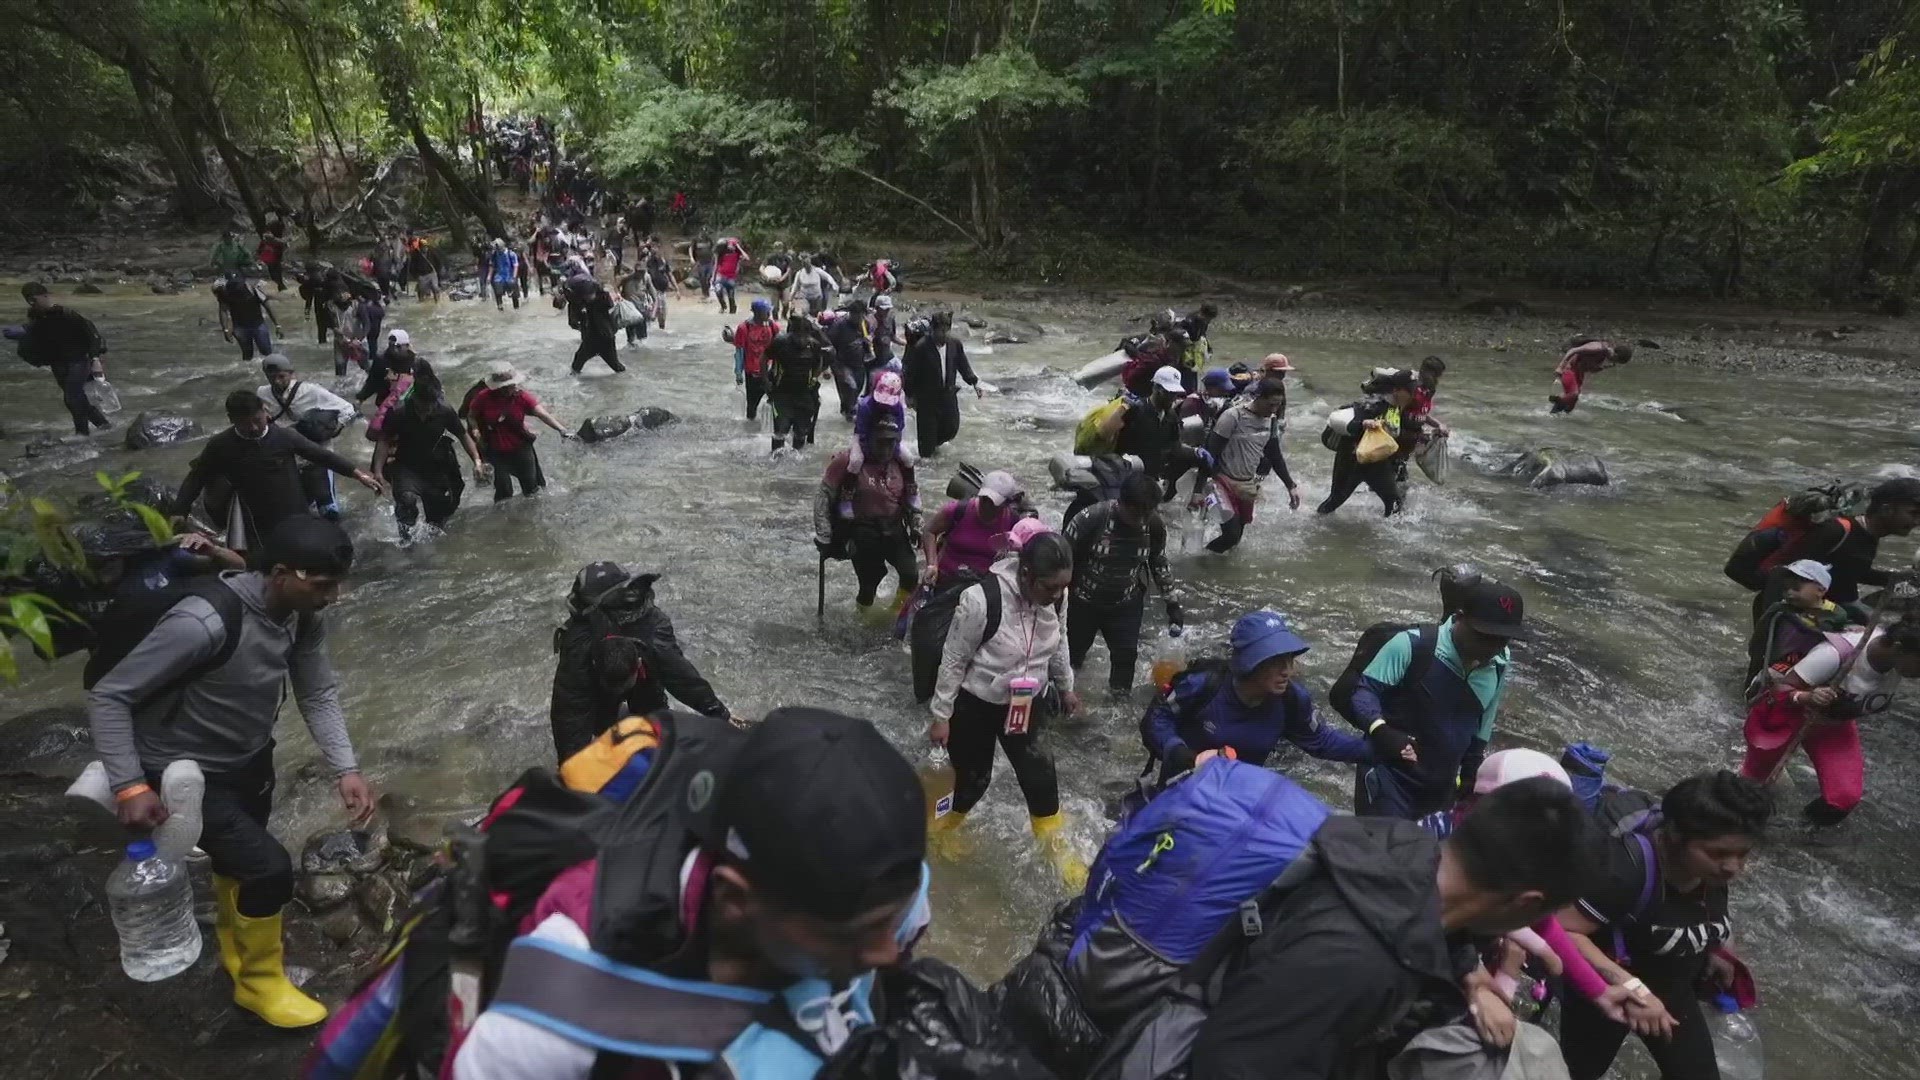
column 444, row 645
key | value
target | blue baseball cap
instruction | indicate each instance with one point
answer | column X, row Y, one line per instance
column 1260, row 636
column 761, row 307
column 1218, row 378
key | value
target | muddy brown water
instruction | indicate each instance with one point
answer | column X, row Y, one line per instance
column 444, row 646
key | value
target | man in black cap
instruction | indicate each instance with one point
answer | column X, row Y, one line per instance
column 1848, row 545
column 618, row 657
column 1391, row 395
column 807, row 875
column 66, row 343
column 1438, row 689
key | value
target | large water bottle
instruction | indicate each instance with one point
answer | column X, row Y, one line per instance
column 152, row 906
column 1736, row 1043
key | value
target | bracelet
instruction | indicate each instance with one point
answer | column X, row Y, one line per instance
column 133, row 792
column 1375, row 726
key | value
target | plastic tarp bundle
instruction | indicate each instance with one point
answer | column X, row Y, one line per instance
column 1433, row 457
column 150, row 429
column 935, row 1026
column 1038, row 1002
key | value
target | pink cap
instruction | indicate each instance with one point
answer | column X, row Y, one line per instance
column 1507, row 766
column 1024, row 530
column 886, row 390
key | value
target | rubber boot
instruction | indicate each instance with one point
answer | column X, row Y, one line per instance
column 945, row 841
column 261, row 987
column 1824, row 815
column 226, row 899
column 1050, row 831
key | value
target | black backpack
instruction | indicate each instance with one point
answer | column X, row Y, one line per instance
column 127, row 622
column 1372, row 640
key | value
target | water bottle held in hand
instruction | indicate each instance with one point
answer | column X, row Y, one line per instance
column 936, row 780
column 151, row 903
column 1170, row 660
column 1736, row 1042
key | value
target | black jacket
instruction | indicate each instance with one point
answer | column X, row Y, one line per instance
column 264, row 473
column 927, row 370
column 59, row 338
column 1354, row 963
column 795, row 359
column 579, row 710
column 1149, row 434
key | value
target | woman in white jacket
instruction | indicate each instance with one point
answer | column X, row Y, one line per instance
column 990, row 683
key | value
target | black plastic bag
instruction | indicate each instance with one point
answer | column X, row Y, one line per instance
column 1039, row 1005
column 150, row 429
column 934, row 1025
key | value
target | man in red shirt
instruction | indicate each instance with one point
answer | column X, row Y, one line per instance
column 1584, row 359
column 726, row 273
column 498, row 418
column 750, row 341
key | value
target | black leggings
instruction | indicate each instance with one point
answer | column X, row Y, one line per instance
column 233, row 833
column 937, row 422
column 601, row 345
column 1119, row 624
column 873, row 553
column 1589, row 1041
column 415, row 495
column 1349, row 474
column 756, row 389
column 975, row 728
column 795, row 411
column 1230, row 532
column 509, row 465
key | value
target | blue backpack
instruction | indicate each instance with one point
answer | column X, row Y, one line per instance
column 1178, row 870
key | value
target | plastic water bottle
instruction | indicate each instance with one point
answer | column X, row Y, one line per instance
column 1170, row 660
column 1736, row 1043
column 936, row 781
column 152, row 906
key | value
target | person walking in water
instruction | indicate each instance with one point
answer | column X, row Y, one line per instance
column 1588, row 357
column 1245, row 444
column 205, row 684
column 313, row 411
column 257, row 461
column 67, row 344
column 498, row 417
column 1007, row 643
column 244, row 311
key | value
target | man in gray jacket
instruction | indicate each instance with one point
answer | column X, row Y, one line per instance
column 206, row 684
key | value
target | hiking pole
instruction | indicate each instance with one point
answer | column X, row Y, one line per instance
column 820, row 606
column 1901, row 593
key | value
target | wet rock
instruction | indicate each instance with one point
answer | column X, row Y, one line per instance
column 415, row 827
column 323, row 892
column 653, row 416
column 150, row 429
column 43, row 444
column 1647, row 343
column 1002, row 337
column 1551, row 466
column 379, row 901
column 142, row 490
column 19, row 855
column 1825, row 334
column 346, row 851
column 340, row 925
column 88, row 288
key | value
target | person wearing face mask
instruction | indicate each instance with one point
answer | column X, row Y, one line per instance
column 1007, row 644
column 1428, row 701
column 259, row 463
column 1660, row 913
column 1376, row 920
column 800, row 847
column 205, row 683
column 1247, row 705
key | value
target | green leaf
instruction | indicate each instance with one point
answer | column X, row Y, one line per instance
column 156, row 522
column 32, row 623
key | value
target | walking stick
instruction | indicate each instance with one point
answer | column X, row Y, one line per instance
column 820, row 608
column 1899, row 594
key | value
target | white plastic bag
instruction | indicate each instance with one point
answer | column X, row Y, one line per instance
column 101, row 394
column 626, row 313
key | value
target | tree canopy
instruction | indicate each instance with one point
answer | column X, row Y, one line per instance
column 1764, row 147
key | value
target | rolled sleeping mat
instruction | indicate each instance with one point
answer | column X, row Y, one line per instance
column 1071, row 472
column 1101, row 370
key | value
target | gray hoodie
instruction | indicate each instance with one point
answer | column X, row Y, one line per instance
column 225, row 717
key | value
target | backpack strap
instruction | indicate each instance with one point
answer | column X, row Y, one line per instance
column 286, row 403
column 627, row 1010
column 993, row 600
column 232, row 612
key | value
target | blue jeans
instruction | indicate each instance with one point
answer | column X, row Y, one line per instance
column 723, row 289
column 253, row 339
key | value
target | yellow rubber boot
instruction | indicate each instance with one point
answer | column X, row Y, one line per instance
column 261, row 987
column 1050, row 831
column 945, row 840
column 226, row 898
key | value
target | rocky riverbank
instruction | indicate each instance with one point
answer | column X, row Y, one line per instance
column 67, row 1012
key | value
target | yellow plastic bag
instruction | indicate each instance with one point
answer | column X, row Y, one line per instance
column 1376, row 445
column 1086, row 436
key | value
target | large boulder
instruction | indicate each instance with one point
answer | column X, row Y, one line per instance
column 1551, row 466
column 150, row 429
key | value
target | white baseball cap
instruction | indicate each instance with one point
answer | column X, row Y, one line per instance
column 1507, row 766
column 1168, row 379
column 1000, row 488
column 1817, row 572
column 399, row 337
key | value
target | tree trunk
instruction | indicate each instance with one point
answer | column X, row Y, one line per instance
column 460, row 194
column 1895, row 196
column 1729, row 283
column 193, row 192
column 320, row 99
column 457, row 236
column 1650, row 273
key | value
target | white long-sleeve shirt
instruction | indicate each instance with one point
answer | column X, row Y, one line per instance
column 1031, row 643
column 307, row 397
